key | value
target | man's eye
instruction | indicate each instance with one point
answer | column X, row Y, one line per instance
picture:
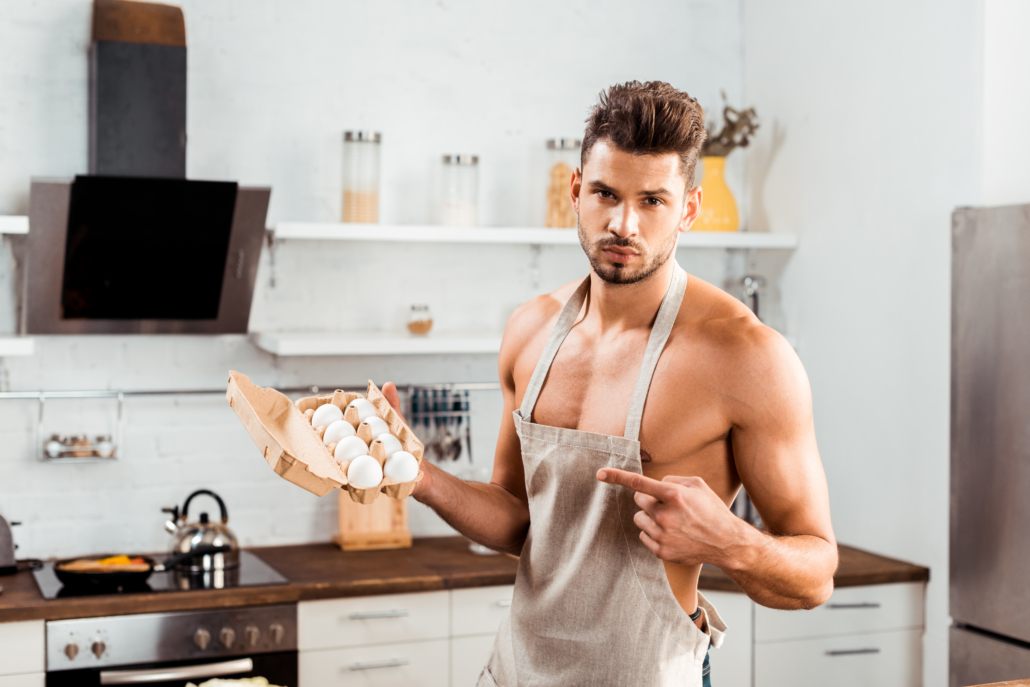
column 605, row 194
column 653, row 201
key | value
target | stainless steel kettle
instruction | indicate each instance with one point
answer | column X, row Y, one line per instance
column 214, row 543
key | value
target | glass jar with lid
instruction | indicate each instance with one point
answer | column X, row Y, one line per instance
column 460, row 178
column 562, row 160
column 361, row 176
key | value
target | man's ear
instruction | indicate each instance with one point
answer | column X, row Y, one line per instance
column 691, row 208
column 577, row 183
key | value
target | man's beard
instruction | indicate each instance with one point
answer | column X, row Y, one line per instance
column 623, row 274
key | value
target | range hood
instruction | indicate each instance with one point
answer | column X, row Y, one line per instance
column 135, row 247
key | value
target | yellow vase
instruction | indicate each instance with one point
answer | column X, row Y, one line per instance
column 718, row 209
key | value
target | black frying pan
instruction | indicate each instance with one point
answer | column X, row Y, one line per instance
column 126, row 578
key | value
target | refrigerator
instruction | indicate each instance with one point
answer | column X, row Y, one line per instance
column 990, row 446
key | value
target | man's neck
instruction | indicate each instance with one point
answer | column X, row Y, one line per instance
column 621, row 307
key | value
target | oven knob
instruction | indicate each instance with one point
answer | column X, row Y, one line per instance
column 98, row 648
column 71, row 651
column 227, row 637
column 252, row 635
column 202, row 638
column 278, row 632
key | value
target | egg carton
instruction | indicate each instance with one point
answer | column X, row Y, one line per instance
column 294, row 449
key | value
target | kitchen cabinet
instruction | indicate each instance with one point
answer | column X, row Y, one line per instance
column 731, row 663
column 22, row 646
column 408, row 664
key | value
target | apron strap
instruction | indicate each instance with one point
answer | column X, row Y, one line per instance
column 561, row 329
column 655, row 345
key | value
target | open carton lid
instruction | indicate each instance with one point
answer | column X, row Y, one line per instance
column 292, row 447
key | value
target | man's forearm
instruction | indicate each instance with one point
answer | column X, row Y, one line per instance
column 485, row 513
column 792, row 572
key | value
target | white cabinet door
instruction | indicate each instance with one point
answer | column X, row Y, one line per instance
column 468, row 657
column 479, row 611
column 415, row 664
column 22, row 647
column 364, row 620
column 731, row 663
column 870, row 608
column 883, row 659
column 26, row 680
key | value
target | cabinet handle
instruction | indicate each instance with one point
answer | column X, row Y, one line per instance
column 864, row 604
column 851, row 652
column 504, row 603
column 378, row 614
column 389, row 663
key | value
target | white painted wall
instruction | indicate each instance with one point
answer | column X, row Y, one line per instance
column 870, row 113
column 1006, row 102
column 272, row 84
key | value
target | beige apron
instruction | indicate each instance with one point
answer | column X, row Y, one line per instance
column 592, row 604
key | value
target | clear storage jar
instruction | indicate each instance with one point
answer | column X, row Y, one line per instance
column 460, row 180
column 361, row 176
column 562, row 160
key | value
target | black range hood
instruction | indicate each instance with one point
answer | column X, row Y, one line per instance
column 135, row 247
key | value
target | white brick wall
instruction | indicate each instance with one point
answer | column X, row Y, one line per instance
column 271, row 87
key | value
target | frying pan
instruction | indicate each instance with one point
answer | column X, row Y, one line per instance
column 126, row 578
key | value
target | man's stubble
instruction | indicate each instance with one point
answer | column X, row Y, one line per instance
column 621, row 274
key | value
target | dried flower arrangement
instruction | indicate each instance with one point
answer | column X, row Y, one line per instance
column 737, row 128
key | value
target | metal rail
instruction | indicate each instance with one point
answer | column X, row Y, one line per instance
column 312, row 389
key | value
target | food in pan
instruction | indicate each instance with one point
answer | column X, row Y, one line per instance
column 109, row 564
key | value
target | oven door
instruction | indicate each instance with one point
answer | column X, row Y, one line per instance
column 278, row 668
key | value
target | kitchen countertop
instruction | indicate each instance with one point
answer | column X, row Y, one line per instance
column 322, row 571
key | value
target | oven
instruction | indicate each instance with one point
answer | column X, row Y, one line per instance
column 172, row 649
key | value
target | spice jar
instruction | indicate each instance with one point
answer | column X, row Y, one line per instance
column 562, row 158
column 361, row 176
column 420, row 321
column 460, row 190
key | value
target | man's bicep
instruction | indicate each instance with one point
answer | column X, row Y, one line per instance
column 776, row 455
column 508, row 472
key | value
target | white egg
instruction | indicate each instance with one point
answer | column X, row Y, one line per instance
column 337, row 431
column 325, row 415
column 350, row 448
column 365, row 472
column 378, row 425
column 402, row 466
column 365, row 408
column 391, row 444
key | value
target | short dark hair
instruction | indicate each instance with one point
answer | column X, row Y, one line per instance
column 651, row 118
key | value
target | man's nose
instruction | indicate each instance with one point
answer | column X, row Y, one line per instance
column 626, row 222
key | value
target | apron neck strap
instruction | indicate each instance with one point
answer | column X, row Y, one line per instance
column 655, row 345
column 561, row 329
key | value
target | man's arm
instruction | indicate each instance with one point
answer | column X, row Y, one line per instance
column 791, row 565
column 496, row 514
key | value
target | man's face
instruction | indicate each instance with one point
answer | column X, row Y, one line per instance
column 631, row 210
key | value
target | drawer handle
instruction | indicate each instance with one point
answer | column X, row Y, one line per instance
column 864, row 604
column 378, row 614
column 851, row 652
column 389, row 663
column 504, row 603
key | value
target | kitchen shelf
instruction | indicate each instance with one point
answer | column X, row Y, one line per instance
column 16, row 346
column 14, row 224
column 407, row 233
column 375, row 343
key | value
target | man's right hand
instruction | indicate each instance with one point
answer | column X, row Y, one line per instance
column 422, row 486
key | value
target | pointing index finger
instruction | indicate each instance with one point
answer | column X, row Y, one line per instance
column 639, row 483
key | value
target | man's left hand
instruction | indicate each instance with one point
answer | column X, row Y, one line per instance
column 681, row 519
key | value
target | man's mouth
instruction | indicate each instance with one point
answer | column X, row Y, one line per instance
column 619, row 255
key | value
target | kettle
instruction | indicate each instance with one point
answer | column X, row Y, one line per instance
column 202, row 537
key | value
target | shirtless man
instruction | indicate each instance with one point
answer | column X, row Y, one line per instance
column 612, row 531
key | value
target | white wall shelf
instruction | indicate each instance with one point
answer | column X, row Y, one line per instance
column 375, row 343
column 14, row 224
column 16, row 346
column 509, row 235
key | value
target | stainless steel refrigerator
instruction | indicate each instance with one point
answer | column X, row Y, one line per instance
column 990, row 445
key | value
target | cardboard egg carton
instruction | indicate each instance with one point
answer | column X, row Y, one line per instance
column 293, row 448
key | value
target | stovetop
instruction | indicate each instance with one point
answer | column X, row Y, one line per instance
column 252, row 572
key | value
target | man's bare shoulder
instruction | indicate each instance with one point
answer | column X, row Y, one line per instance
column 530, row 320
column 741, row 357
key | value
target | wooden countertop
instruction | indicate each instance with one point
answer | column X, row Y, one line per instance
column 322, row 571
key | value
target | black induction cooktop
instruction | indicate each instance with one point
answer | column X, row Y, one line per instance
column 252, row 572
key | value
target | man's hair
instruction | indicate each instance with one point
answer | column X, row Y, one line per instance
column 650, row 118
